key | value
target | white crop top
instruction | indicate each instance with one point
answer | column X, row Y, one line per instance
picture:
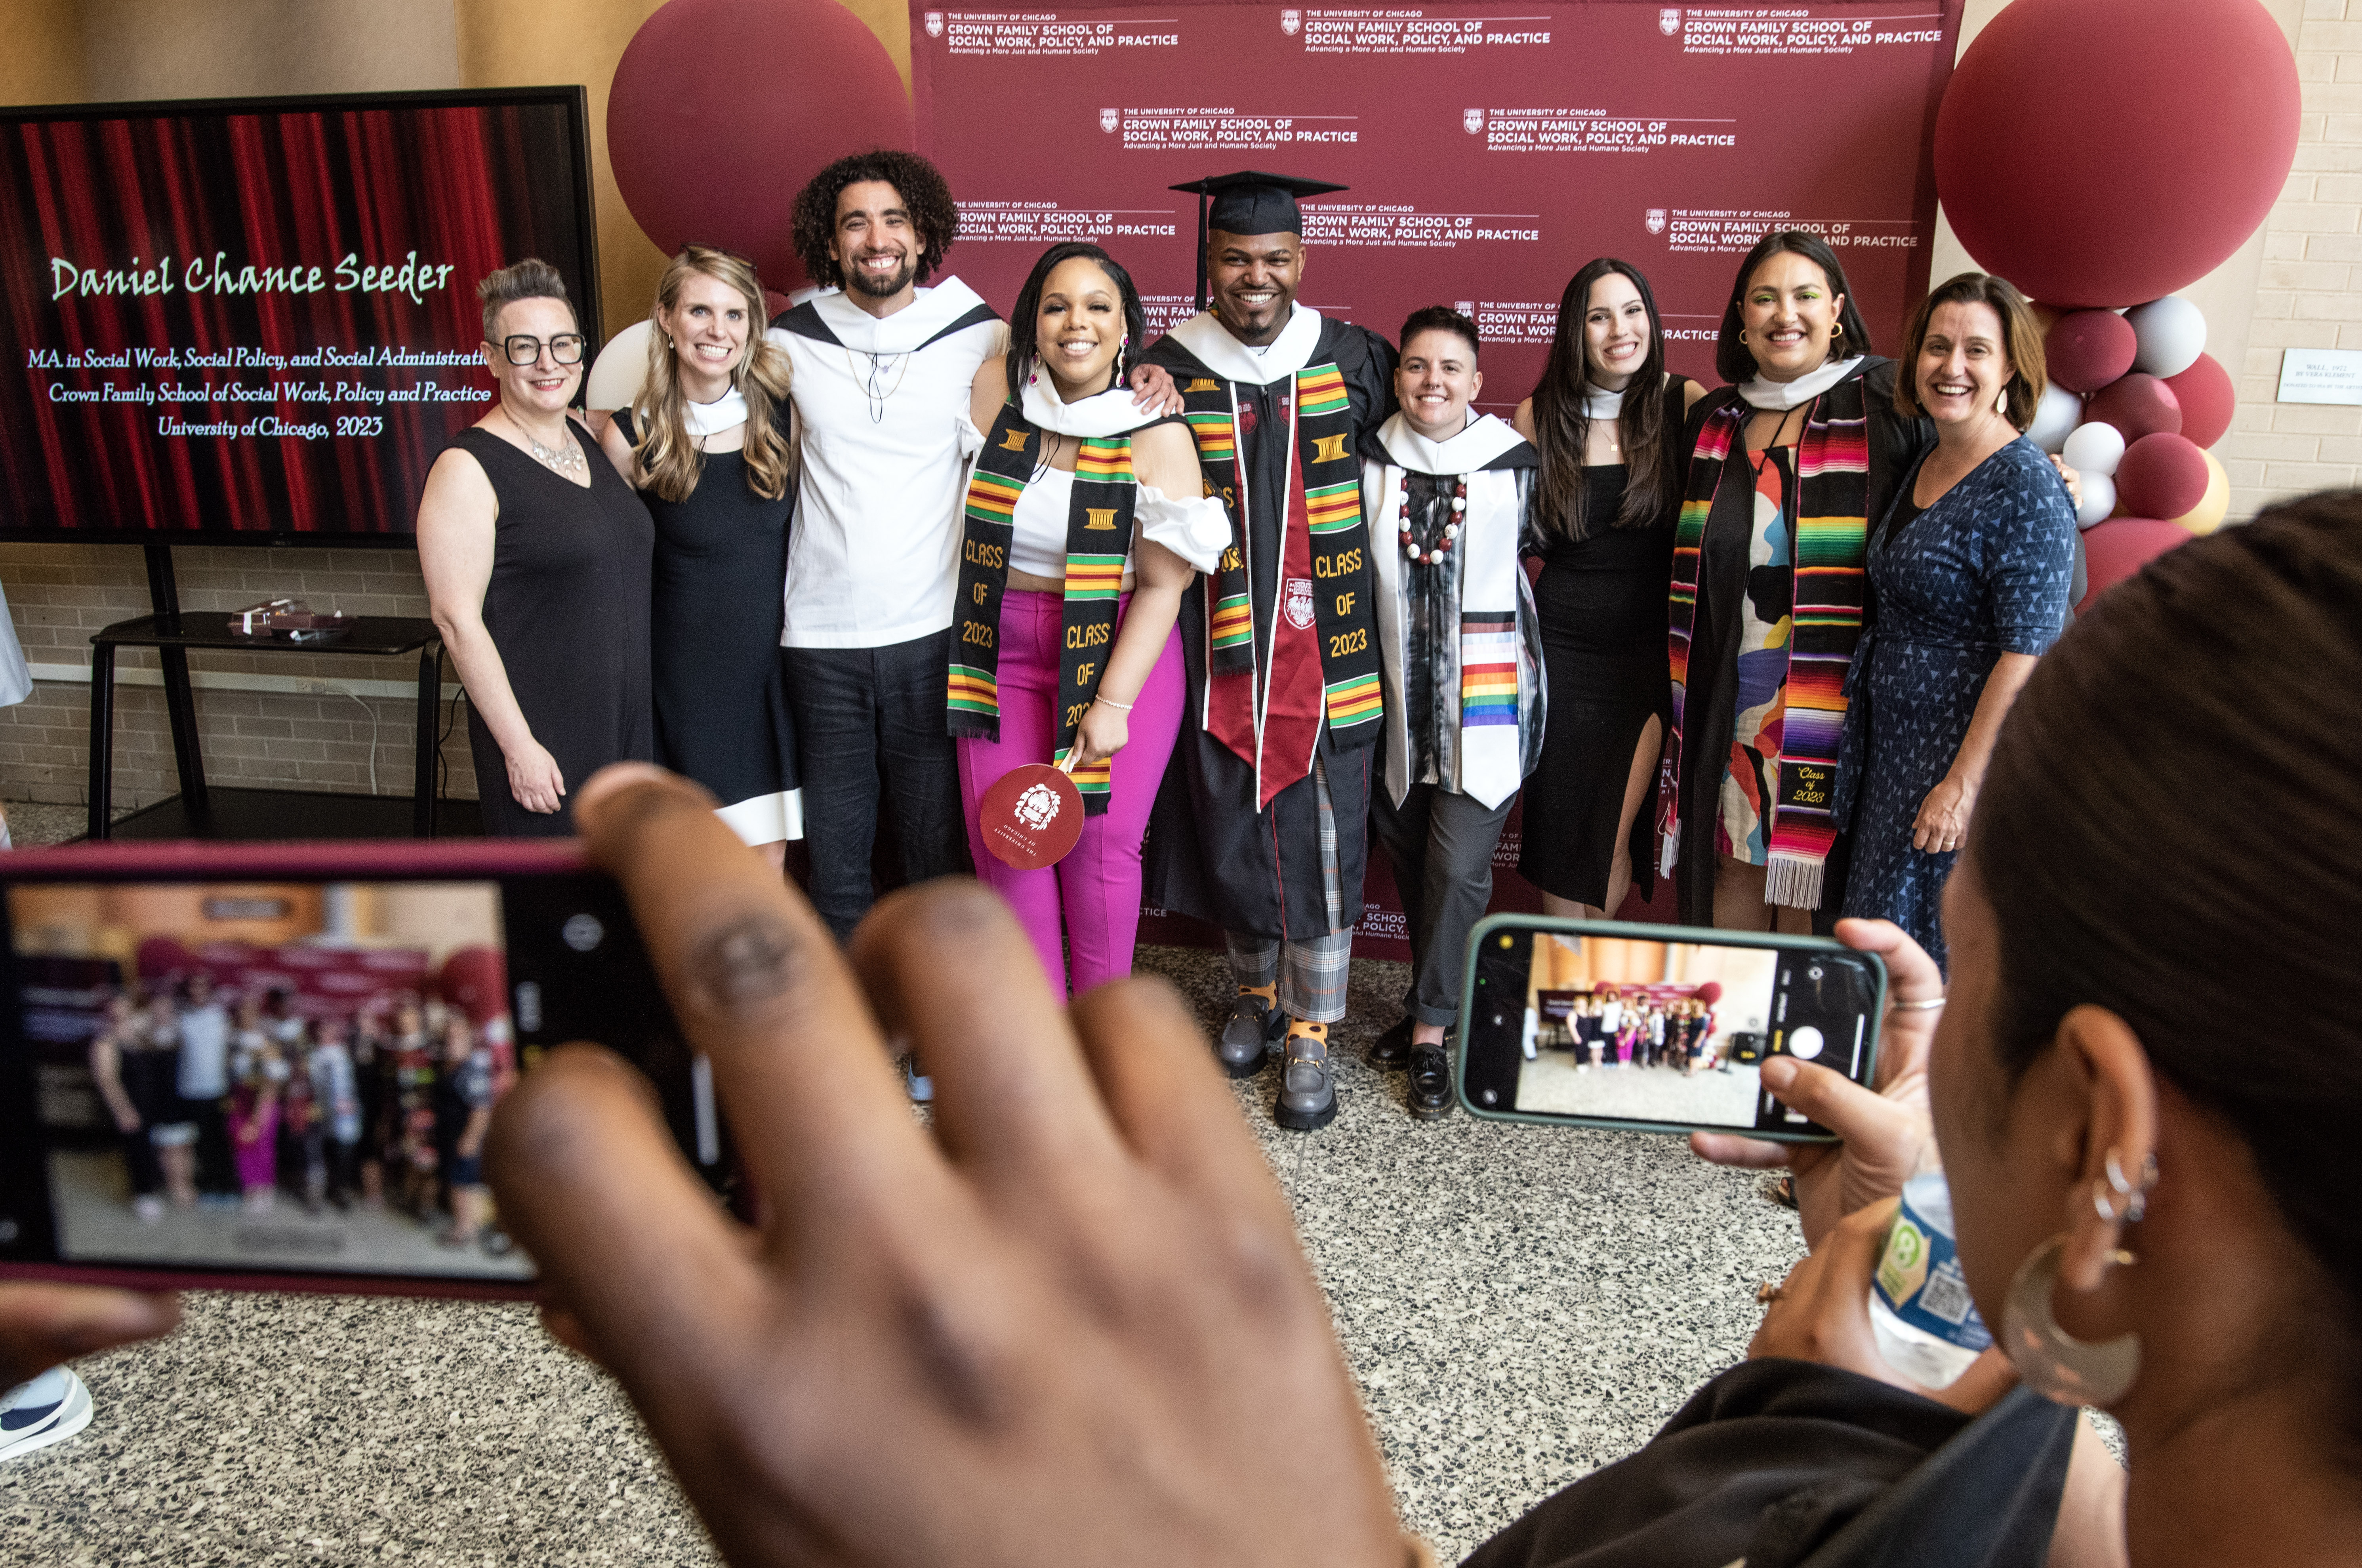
column 1197, row 529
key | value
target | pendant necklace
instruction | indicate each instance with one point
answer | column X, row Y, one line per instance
column 873, row 385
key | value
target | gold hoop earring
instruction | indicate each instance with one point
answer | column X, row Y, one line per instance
column 1837, row 330
column 1742, row 334
column 2055, row 1364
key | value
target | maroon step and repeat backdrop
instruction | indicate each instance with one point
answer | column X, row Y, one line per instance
column 1491, row 150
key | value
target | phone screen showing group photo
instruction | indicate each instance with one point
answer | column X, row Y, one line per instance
column 298, row 1076
column 1670, row 1032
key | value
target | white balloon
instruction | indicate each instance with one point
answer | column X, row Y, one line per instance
column 622, row 365
column 2094, row 449
column 2059, row 411
column 2099, row 499
column 2172, row 334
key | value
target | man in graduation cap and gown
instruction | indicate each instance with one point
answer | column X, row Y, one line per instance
column 1262, row 826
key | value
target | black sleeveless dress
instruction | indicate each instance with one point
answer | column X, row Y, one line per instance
column 1601, row 604
column 568, row 608
column 720, row 695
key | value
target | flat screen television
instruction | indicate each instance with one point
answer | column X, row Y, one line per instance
column 255, row 321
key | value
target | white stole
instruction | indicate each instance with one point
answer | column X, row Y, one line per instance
column 1489, row 764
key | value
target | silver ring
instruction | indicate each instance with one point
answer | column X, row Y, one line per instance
column 1927, row 1006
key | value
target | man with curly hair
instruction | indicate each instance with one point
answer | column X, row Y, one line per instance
column 884, row 369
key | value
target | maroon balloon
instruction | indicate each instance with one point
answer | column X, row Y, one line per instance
column 2105, row 152
column 2115, row 549
column 723, row 110
column 2161, row 476
column 2089, row 348
column 2207, row 399
column 2137, row 405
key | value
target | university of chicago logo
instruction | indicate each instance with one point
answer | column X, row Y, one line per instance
column 1290, row 21
column 1656, row 220
column 1466, row 308
column 1472, row 120
column 934, row 24
column 1037, row 808
column 1669, row 20
column 1108, row 118
column 1299, row 604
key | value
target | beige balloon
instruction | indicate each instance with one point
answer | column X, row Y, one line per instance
column 620, row 370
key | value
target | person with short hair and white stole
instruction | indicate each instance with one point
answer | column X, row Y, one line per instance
column 1264, row 831
column 1445, row 492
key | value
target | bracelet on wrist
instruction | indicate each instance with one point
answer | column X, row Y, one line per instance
column 1119, row 707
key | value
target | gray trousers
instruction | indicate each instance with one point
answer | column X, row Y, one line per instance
column 1440, row 846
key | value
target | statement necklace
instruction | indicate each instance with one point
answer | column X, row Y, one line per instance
column 1451, row 530
column 566, row 460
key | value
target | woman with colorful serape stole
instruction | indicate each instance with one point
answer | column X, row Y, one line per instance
column 1786, row 468
column 1085, row 520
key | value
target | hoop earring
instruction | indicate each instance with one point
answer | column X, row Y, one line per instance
column 1837, row 330
column 1742, row 334
column 2061, row 1368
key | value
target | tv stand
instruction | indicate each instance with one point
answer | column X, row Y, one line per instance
column 202, row 811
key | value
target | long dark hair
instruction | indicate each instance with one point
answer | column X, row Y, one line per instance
column 1732, row 362
column 1022, row 343
column 2117, row 877
column 1561, row 428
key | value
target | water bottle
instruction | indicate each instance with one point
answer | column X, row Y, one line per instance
column 1920, row 1309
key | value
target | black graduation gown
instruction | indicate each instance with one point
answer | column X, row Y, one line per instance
column 1209, row 853
column 1895, row 444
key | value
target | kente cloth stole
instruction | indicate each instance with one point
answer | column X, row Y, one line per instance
column 1832, row 529
column 1322, row 662
column 1098, row 534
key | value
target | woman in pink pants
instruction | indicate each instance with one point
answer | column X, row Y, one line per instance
column 1084, row 523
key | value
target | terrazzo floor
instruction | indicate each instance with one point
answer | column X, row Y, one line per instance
column 1519, row 1306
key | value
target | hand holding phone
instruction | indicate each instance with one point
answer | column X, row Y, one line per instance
column 1885, row 1137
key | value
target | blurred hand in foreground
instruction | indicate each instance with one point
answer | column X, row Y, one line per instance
column 1071, row 1326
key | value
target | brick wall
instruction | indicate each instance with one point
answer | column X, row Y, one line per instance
column 2311, row 292
column 58, row 594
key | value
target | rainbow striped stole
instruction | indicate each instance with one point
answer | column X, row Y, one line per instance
column 1832, row 532
column 1488, row 669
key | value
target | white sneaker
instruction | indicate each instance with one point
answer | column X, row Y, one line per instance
column 50, row 1408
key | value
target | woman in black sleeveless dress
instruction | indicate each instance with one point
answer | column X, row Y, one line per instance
column 535, row 554
column 707, row 442
column 1607, row 421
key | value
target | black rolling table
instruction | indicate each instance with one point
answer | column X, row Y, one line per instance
column 202, row 811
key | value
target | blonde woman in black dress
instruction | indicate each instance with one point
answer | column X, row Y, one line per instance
column 707, row 443
column 535, row 554
column 1607, row 420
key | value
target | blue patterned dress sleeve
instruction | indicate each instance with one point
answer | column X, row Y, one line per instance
column 1983, row 572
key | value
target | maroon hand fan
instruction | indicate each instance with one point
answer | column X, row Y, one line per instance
column 1031, row 816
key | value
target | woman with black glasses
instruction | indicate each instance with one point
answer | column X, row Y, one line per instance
column 537, row 557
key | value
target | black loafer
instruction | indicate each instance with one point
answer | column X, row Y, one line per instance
column 1255, row 1027
column 1430, row 1095
column 1390, row 1052
column 1307, row 1085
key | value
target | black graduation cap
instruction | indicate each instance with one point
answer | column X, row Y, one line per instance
column 1249, row 202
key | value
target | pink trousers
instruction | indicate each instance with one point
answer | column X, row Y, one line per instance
column 1084, row 913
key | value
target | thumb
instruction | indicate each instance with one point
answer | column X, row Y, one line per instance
column 1830, row 1097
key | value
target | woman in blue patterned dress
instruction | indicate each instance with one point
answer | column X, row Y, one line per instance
column 1969, row 572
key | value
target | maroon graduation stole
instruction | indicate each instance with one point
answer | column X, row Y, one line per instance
column 1322, row 661
column 1098, row 540
column 1832, row 530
